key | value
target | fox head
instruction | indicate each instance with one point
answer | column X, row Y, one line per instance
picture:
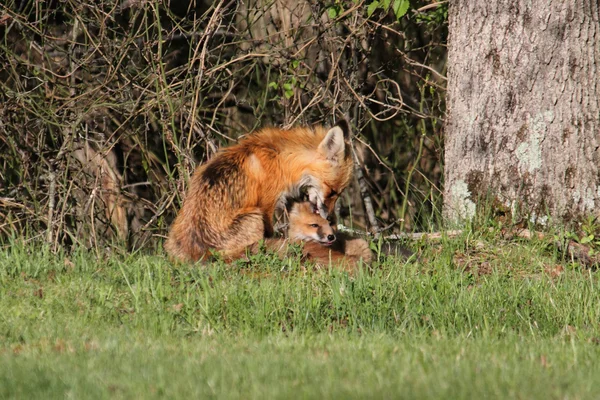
column 305, row 224
column 330, row 174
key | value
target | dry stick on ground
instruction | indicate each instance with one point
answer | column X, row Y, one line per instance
column 424, row 235
column 573, row 249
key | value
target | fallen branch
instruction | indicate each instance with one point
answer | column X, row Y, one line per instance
column 576, row 251
column 424, row 235
column 403, row 236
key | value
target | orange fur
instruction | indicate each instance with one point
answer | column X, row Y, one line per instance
column 322, row 244
column 231, row 199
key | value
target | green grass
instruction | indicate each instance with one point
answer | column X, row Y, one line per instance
column 474, row 317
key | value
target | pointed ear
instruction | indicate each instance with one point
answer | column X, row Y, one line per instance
column 333, row 146
column 343, row 124
column 289, row 205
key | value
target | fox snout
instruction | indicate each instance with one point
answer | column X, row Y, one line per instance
column 324, row 235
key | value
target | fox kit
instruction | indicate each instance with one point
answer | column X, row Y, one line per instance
column 322, row 243
column 232, row 197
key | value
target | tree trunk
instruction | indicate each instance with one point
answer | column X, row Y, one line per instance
column 523, row 122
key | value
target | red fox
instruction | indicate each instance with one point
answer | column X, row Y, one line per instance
column 322, row 243
column 231, row 198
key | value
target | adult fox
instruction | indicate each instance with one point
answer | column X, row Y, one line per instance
column 231, row 198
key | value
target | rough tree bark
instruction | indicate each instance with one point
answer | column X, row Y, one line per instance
column 523, row 125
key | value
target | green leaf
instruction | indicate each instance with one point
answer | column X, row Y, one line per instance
column 287, row 86
column 332, row 12
column 385, row 4
column 587, row 239
column 400, row 8
column 273, row 85
column 371, row 8
column 295, row 64
column 288, row 93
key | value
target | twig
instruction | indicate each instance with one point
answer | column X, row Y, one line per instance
column 430, row 6
column 236, row 60
column 364, row 193
column 51, row 177
column 416, row 161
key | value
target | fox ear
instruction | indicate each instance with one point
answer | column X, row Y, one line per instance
column 343, row 124
column 333, row 146
column 289, row 205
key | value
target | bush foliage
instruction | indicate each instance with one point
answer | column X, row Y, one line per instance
column 106, row 107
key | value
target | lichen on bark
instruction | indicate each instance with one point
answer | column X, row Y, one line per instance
column 523, row 107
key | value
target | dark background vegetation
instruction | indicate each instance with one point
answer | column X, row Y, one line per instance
column 106, row 107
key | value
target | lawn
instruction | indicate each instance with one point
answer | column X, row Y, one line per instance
column 475, row 316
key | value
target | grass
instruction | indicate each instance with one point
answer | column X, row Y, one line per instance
column 474, row 317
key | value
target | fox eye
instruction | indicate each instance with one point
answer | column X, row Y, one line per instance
column 314, row 225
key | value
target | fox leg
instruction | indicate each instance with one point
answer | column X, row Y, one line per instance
column 245, row 232
column 230, row 237
column 277, row 246
column 245, row 229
